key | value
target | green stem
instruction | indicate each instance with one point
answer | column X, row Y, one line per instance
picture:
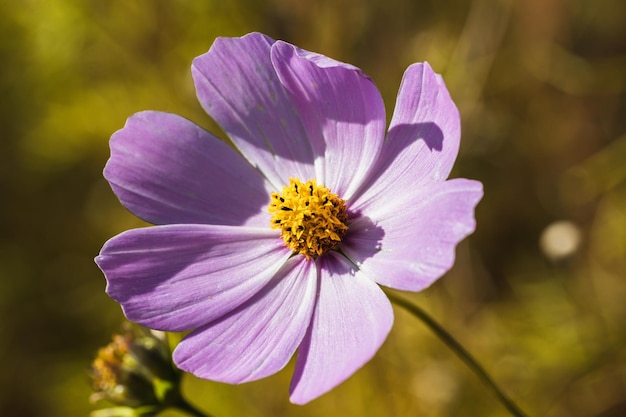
column 188, row 408
column 460, row 351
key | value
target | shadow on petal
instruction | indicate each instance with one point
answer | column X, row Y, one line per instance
column 363, row 239
column 429, row 132
column 412, row 153
column 402, row 136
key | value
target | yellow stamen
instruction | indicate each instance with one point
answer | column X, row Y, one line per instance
column 312, row 219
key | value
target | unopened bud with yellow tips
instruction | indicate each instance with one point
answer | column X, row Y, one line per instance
column 135, row 373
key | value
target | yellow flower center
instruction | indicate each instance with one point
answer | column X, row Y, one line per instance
column 311, row 218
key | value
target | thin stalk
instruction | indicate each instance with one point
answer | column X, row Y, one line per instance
column 460, row 351
column 188, row 408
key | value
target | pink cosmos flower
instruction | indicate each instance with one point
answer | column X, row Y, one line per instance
column 279, row 243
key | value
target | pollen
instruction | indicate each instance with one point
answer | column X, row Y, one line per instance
column 312, row 220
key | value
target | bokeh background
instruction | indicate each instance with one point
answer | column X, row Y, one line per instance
column 538, row 293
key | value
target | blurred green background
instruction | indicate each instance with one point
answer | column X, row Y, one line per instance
column 538, row 293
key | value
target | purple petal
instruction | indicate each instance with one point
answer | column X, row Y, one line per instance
column 165, row 169
column 351, row 321
column 419, row 234
column 423, row 139
column 342, row 111
column 237, row 86
column 178, row 277
column 259, row 338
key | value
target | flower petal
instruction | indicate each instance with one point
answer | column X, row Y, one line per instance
column 421, row 231
column 237, row 86
column 342, row 111
column 352, row 319
column 258, row 338
column 178, row 277
column 423, row 139
column 165, row 169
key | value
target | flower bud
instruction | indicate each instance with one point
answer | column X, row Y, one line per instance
column 135, row 373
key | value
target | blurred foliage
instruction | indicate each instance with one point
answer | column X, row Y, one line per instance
column 541, row 86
